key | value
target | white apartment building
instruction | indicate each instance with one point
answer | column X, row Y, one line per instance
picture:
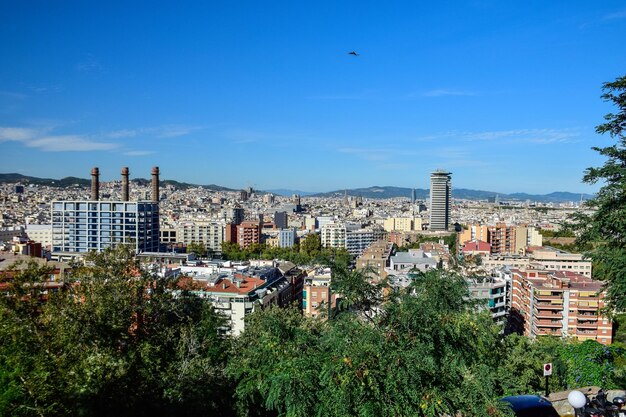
column 333, row 235
column 402, row 224
column 544, row 257
column 350, row 236
column 41, row 233
column 209, row 233
column 287, row 238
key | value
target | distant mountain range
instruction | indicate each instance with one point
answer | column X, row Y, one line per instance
column 288, row 193
column 370, row 192
column 462, row 193
column 81, row 182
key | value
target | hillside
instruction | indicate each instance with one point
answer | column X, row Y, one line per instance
column 462, row 193
column 74, row 181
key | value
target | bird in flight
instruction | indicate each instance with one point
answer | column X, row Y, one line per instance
column 353, row 53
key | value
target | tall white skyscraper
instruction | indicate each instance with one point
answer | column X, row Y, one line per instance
column 440, row 200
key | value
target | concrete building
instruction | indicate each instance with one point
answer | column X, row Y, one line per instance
column 268, row 198
column 8, row 233
column 527, row 236
column 402, row 224
column 237, row 295
column 281, row 219
column 502, row 238
column 81, row 226
column 317, row 294
column 41, row 233
column 357, row 241
column 494, row 292
column 310, row 223
column 235, row 215
column 350, row 236
column 376, row 257
column 560, row 303
column 248, row 233
column 209, row 233
column 474, row 232
column 413, row 259
column 286, row 238
column 440, row 200
column 333, row 235
column 558, row 260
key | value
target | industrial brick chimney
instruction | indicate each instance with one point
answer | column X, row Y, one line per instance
column 125, row 190
column 155, row 184
column 95, row 184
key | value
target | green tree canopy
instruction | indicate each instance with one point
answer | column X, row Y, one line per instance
column 197, row 248
column 114, row 342
column 424, row 354
column 605, row 228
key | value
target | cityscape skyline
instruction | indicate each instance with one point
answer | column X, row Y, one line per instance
column 505, row 96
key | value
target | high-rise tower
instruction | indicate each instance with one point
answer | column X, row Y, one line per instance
column 440, row 200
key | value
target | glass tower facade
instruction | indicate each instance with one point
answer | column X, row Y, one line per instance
column 83, row 226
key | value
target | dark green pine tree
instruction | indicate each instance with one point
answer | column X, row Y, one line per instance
column 605, row 229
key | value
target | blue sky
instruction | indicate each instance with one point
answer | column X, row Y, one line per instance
column 504, row 94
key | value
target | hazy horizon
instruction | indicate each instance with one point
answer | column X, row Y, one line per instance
column 505, row 96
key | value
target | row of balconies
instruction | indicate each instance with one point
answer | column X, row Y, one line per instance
column 548, row 315
column 548, row 323
column 547, row 332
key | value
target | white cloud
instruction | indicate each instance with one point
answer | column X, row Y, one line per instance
column 68, row 143
column 139, row 153
column 620, row 14
column 124, row 133
column 40, row 139
column 167, row 131
column 537, row 136
column 447, row 92
column 17, row 134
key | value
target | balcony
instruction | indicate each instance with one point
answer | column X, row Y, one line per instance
column 587, row 325
column 548, row 315
column 587, row 308
column 539, row 297
column 548, row 306
column 547, row 332
column 548, row 323
column 589, row 334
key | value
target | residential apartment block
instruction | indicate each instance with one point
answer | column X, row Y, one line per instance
column 317, row 295
column 350, row 236
column 402, row 224
column 493, row 291
column 209, row 233
column 376, row 258
column 248, row 233
column 238, row 294
column 504, row 239
column 560, row 303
